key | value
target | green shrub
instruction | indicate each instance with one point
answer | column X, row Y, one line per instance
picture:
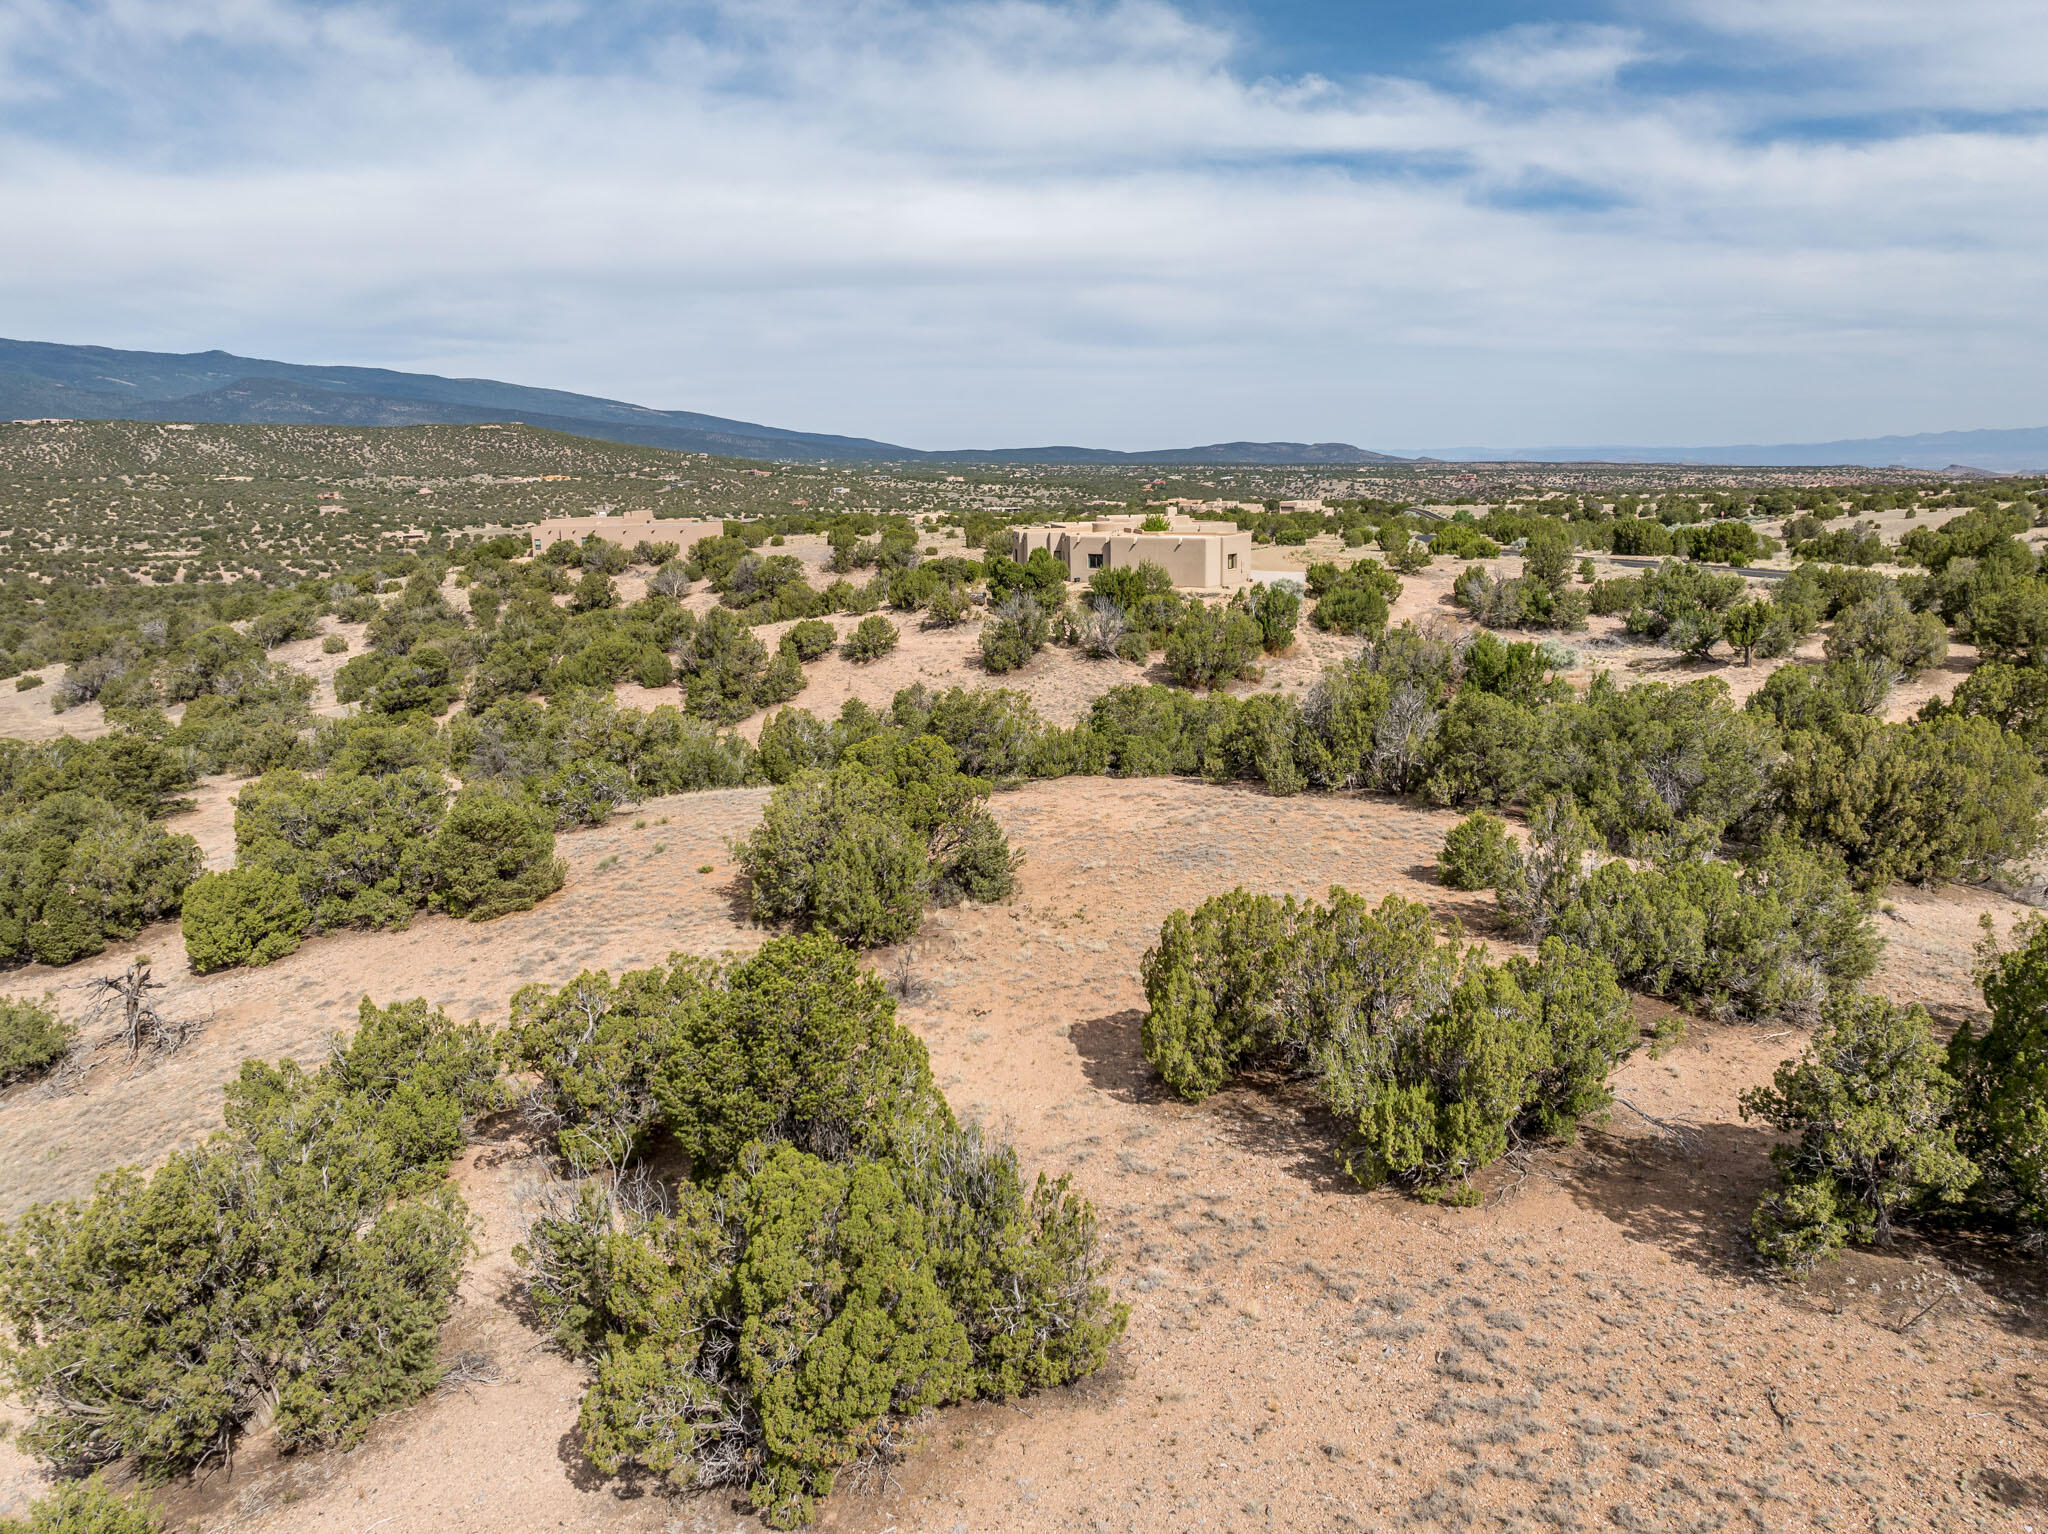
column 1774, row 938
column 1015, row 630
column 2009, row 622
column 1521, row 671
column 783, row 679
column 585, row 754
column 2015, row 698
column 244, row 916
column 1143, row 593
column 492, row 855
column 1746, row 626
column 1647, row 759
column 1525, row 601
column 1402, row 551
column 1683, row 606
column 722, row 665
column 810, row 638
column 871, row 639
column 1478, row 853
column 1427, row 1054
column 334, row 644
column 1842, row 545
column 126, row 771
column 87, row 1507
column 1351, row 610
column 948, row 607
column 1212, row 644
column 845, row 1257
column 32, row 1037
column 1801, row 697
column 859, row 851
column 1869, row 1101
column 1723, row 542
column 995, row 732
column 75, row 872
column 1885, row 628
column 27, row 681
column 1275, row 606
column 282, row 625
column 1459, row 540
column 302, row 1260
column 1352, row 600
column 208, row 658
column 1483, row 751
column 2002, row 1075
column 1212, row 982
column 1041, row 578
column 793, row 741
column 586, row 791
column 1947, row 798
column 1637, row 536
column 594, row 593
column 358, row 849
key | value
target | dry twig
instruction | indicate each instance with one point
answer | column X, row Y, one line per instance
column 1683, row 1136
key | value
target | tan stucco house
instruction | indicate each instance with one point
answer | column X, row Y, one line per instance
column 1198, row 556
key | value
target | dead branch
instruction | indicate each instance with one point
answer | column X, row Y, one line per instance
column 1921, row 1315
column 139, row 1024
column 471, row 1367
column 1683, row 1136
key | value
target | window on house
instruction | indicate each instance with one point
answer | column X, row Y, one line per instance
column 1233, row 561
column 1095, row 561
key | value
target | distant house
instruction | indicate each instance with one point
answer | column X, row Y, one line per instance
column 625, row 530
column 1197, row 556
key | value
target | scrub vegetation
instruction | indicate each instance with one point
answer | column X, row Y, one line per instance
column 768, row 1237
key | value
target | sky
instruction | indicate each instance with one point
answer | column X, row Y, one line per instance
column 981, row 223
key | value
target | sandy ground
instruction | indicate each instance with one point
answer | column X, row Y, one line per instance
column 1593, row 1347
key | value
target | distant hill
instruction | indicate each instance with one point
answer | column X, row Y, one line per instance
column 1219, row 452
column 2023, row 450
column 95, row 383
column 39, row 378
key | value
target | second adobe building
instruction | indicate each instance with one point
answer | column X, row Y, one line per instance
column 1197, row 556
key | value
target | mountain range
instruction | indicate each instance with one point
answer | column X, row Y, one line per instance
column 43, row 379
column 40, row 379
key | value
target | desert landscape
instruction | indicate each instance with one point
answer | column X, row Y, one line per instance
column 1023, row 767
column 1594, row 1344
column 1592, row 1340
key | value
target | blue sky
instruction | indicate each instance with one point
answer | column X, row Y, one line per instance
column 991, row 222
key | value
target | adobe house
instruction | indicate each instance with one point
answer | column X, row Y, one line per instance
column 625, row 529
column 1197, row 556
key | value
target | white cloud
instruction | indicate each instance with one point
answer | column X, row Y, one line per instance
column 1542, row 58
column 1016, row 221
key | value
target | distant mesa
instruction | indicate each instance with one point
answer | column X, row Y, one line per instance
column 44, row 381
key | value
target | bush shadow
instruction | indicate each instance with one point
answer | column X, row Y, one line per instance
column 505, row 1136
column 1278, row 1118
column 1692, row 1202
column 1113, row 1056
column 628, row 1485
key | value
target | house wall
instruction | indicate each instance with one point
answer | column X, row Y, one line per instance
column 624, row 531
column 1193, row 560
